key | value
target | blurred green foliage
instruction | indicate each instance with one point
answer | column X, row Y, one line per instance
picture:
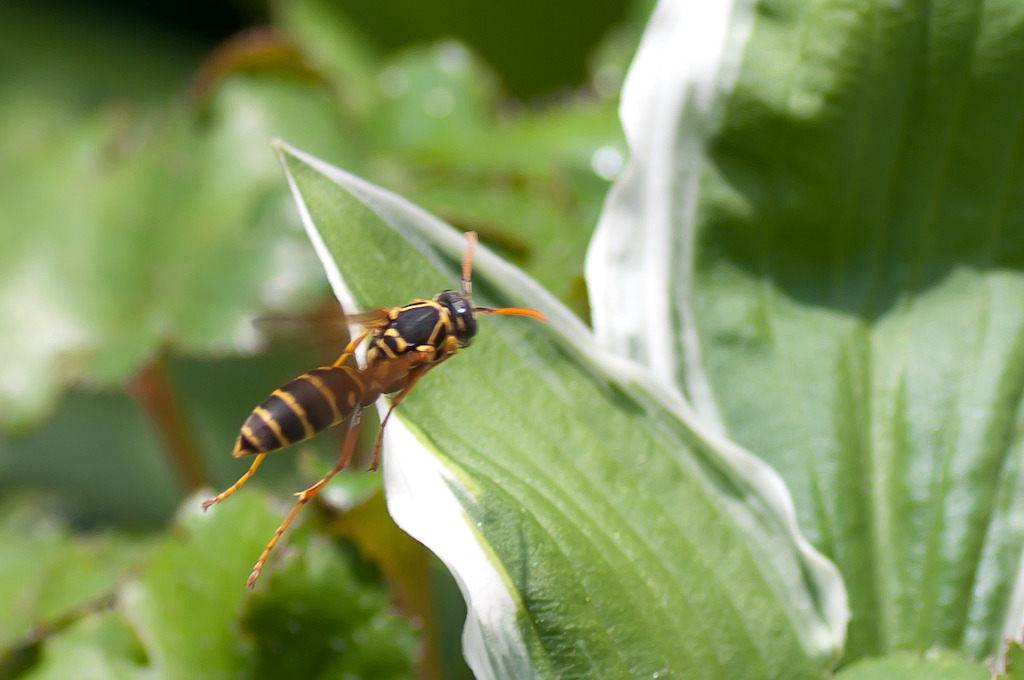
column 907, row 666
column 146, row 223
column 76, row 613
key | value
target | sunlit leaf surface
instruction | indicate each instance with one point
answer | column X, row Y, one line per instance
column 820, row 242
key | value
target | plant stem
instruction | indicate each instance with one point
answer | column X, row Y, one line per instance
column 151, row 388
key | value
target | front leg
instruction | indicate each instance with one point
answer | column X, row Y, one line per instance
column 441, row 354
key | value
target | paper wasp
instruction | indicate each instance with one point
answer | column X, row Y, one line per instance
column 404, row 343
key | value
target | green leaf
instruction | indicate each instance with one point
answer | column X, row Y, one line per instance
column 117, row 227
column 595, row 527
column 335, row 46
column 935, row 665
column 186, row 604
column 133, row 223
column 311, row 616
column 319, row 621
column 49, row 577
column 98, row 453
column 1012, row 665
column 70, row 602
column 99, row 647
column 819, row 243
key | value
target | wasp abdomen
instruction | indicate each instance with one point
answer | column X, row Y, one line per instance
column 312, row 402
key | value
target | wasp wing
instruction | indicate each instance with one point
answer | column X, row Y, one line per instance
column 322, row 328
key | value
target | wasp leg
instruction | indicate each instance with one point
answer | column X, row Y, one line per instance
column 234, row 487
column 310, row 493
column 449, row 349
column 351, row 347
column 414, row 376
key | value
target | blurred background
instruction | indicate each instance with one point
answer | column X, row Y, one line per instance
column 146, row 224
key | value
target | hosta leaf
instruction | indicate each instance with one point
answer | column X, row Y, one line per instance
column 820, row 242
column 595, row 527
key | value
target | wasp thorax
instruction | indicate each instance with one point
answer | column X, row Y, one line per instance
column 463, row 320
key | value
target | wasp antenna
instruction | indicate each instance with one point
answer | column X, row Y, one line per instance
column 512, row 311
column 467, row 267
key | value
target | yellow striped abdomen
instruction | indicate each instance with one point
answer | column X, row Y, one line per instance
column 312, row 402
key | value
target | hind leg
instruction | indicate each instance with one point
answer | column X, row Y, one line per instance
column 307, row 495
column 234, row 487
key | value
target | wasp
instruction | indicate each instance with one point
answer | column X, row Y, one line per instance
column 404, row 343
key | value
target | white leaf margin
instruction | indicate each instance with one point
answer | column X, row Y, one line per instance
column 420, row 490
column 690, row 52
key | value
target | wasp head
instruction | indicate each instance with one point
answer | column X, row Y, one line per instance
column 461, row 312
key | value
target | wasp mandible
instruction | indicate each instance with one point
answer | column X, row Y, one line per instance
column 404, row 343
